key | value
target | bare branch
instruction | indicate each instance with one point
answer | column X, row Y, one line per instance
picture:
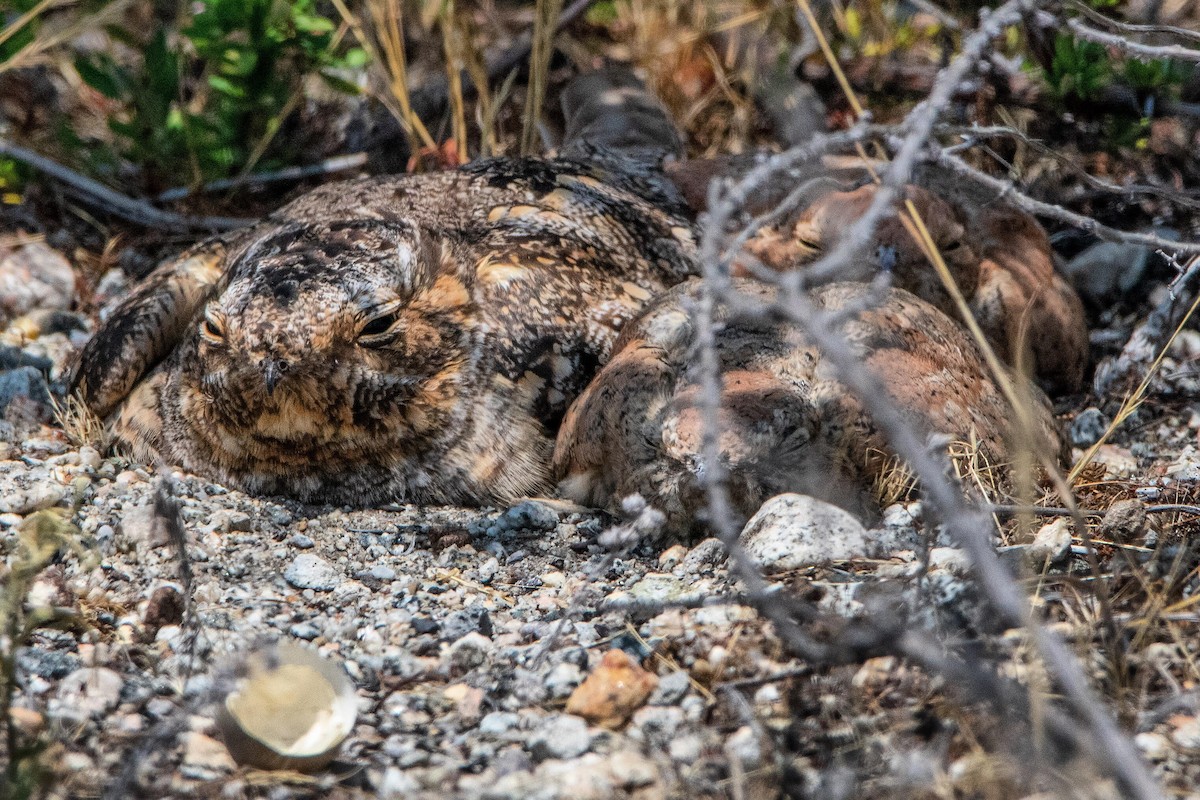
column 970, row 136
column 969, row 526
column 1006, row 190
column 97, row 195
column 1131, row 48
column 1129, row 27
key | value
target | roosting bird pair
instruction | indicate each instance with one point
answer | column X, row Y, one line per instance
column 482, row 334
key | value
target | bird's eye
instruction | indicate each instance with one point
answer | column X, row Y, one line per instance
column 951, row 246
column 212, row 326
column 375, row 330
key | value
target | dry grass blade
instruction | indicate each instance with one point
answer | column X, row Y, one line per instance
column 544, row 25
column 386, row 48
column 486, row 109
column 79, row 423
column 47, row 40
column 1133, row 399
column 29, row 16
column 453, row 47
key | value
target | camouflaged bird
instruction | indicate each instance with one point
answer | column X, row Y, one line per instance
column 414, row 338
column 786, row 423
column 998, row 256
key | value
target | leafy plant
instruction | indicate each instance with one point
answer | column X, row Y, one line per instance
column 1158, row 75
column 1079, row 69
column 214, row 96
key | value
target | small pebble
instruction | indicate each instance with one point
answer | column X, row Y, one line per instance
column 563, row 736
column 1087, row 427
column 309, row 571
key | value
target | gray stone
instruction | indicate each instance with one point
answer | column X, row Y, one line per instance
column 469, row 652
column 302, row 541
column 563, row 679
column 671, row 688
column 473, row 619
column 48, row 664
column 791, row 531
column 14, row 358
column 900, row 529
column 1087, row 427
column 89, row 692
column 382, row 573
column 305, row 630
column 25, row 383
column 1051, row 544
column 43, row 494
column 562, row 736
column 529, row 515
column 498, row 722
column 34, row 276
column 309, row 571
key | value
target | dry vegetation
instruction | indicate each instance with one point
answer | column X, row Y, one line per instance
column 1074, row 673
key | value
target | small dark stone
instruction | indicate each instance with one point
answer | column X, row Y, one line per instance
column 23, row 383
column 1087, row 427
column 424, row 625
column 474, row 619
column 305, row 630
column 14, row 358
column 48, row 664
column 165, row 608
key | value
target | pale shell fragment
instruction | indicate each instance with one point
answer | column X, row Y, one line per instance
column 292, row 710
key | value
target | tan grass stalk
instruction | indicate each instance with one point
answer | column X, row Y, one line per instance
column 452, row 47
column 486, row 109
column 45, row 41
column 539, row 71
column 1133, row 400
column 386, row 48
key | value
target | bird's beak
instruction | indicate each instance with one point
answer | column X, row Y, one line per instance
column 272, row 372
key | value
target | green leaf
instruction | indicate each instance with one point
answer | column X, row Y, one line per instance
column 340, row 84
column 102, row 74
column 356, row 58
column 226, row 86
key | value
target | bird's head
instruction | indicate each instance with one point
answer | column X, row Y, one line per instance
column 897, row 248
column 342, row 334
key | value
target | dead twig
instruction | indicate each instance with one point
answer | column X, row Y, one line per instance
column 1131, row 48
column 969, row 526
column 1149, row 338
column 98, row 196
column 1007, row 190
column 328, row 166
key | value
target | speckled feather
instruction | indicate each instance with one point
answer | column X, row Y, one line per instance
column 999, row 257
column 787, row 424
column 499, row 288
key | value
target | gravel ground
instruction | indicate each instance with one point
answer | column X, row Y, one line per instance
column 468, row 632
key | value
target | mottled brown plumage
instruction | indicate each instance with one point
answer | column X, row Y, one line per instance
column 786, row 424
column 411, row 338
column 999, row 257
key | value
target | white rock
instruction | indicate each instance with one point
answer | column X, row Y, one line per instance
column 563, row 736
column 794, row 530
column 1154, row 746
column 34, row 276
column 1051, row 544
column 90, row 691
column 308, row 571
